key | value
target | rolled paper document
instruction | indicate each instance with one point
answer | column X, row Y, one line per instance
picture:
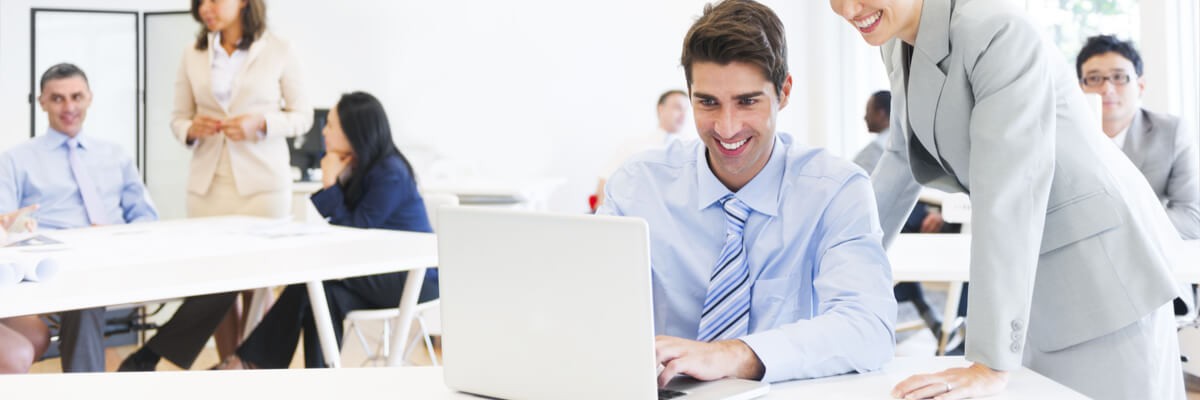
column 29, row 267
column 9, row 274
column 41, row 270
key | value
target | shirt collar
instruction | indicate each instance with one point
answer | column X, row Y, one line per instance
column 882, row 137
column 761, row 193
column 55, row 139
column 667, row 137
column 1120, row 139
column 214, row 44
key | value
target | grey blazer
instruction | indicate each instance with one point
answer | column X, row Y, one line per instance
column 1069, row 242
column 1165, row 152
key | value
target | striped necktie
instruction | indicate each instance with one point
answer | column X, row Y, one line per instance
column 726, row 313
column 87, row 188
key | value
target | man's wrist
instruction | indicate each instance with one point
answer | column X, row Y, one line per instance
column 748, row 365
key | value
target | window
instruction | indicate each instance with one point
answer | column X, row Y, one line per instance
column 1068, row 23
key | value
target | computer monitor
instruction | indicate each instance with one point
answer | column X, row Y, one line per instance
column 307, row 150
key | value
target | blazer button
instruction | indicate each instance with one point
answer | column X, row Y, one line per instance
column 1017, row 325
column 1016, row 337
column 1016, row 347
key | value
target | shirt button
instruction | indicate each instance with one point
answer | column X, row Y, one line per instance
column 1016, row 347
column 1016, row 337
column 1017, row 325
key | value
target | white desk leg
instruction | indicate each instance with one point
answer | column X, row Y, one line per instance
column 257, row 309
column 324, row 323
column 408, row 304
column 950, row 315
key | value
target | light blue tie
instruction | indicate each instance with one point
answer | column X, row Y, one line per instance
column 87, row 189
column 726, row 312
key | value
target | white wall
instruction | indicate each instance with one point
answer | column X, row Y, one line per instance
column 14, row 54
column 523, row 88
column 551, row 88
column 1169, row 47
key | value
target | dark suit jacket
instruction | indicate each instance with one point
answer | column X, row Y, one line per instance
column 389, row 201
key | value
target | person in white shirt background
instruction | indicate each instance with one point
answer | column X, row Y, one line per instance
column 923, row 219
column 673, row 106
column 877, row 116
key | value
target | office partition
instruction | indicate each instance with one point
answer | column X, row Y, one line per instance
column 167, row 36
column 104, row 44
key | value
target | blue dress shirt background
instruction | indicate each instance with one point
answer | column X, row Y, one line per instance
column 38, row 172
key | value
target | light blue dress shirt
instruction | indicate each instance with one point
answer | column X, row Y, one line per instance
column 821, row 302
column 38, row 172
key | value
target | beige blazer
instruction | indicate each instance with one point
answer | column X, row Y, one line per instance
column 269, row 83
column 1069, row 242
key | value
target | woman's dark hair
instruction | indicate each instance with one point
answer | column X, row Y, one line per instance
column 254, row 23
column 366, row 127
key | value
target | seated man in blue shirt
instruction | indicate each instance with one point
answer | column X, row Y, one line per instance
column 77, row 181
column 766, row 255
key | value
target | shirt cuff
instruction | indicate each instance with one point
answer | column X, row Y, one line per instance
column 276, row 123
column 771, row 347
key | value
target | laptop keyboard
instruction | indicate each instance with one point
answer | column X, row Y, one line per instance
column 664, row 394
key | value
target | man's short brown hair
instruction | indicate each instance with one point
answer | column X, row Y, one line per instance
column 738, row 30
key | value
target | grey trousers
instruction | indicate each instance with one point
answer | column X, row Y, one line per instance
column 81, row 340
column 1139, row 361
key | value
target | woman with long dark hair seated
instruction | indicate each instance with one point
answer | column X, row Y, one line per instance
column 367, row 184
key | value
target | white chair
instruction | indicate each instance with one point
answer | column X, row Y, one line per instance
column 394, row 346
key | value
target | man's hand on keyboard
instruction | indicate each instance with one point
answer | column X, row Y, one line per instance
column 705, row 361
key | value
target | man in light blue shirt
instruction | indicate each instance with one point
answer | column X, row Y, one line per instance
column 77, row 181
column 766, row 255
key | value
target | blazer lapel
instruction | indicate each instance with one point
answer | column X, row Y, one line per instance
column 926, row 79
column 252, row 54
column 924, row 90
column 1136, row 138
column 204, row 74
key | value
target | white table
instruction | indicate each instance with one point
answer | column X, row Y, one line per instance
column 165, row 260
column 920, row 257
column 427, row 383
column 937, row 257
column 529, row 194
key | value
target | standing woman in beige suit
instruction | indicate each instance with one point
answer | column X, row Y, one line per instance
column 238, row 97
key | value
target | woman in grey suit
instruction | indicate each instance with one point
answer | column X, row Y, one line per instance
column 1071, row 251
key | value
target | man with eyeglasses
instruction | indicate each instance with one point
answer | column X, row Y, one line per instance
column 1158, row 144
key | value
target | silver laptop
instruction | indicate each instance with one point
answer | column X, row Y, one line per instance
column 545, row 306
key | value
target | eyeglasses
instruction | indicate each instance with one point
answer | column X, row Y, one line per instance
column 1118, row 79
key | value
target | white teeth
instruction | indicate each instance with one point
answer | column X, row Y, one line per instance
column 863, row 24
column 733, row 146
